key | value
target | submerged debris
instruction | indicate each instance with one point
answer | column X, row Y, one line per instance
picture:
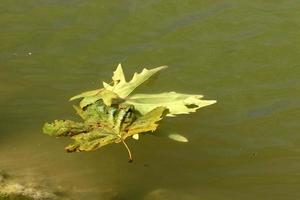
column 11, row 189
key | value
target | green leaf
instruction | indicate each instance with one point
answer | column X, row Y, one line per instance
column 177, row 103
column 118, row 75
column 104, row 125
column 177, row 137
column 146, row 122
column 119, row 89
column 111, row 114
column 123, row 88
column 65, row 128
column 92, row 140
column 90, row 97
column 86, row 94
column 103, row 135
column 107, row 97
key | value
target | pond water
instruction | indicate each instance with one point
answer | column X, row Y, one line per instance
column 245, row 54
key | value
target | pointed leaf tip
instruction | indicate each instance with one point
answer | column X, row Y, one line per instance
column 118, row 75
column 123, row 88
column 85, row 94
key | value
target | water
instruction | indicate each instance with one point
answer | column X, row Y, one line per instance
column 245, row 54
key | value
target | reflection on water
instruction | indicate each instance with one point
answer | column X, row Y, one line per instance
column 244, row 54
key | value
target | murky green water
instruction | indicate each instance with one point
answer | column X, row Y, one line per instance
column 245, row 54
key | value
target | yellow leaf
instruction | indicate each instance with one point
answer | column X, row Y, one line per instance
column 177, row 103
column 123, row 88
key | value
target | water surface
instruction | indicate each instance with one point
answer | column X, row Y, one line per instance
column 245, row 54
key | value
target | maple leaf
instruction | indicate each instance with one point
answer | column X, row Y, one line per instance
column 112, row 114
column 104, row 125
column 119, row 89
column 91, row 97
column 123, row 88
column 177, row 103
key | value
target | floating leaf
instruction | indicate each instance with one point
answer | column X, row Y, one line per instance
column 123, row 88
column 85, row 94
column 111, row 114
column 177, row 103
column 119, row 89
column 118, row 75
column 65, row 128
column 92, row 96
column 108, row 130
column 146, row 122
column 92, row 140
column 104, row 125
column 177, row 137
column 106, row 95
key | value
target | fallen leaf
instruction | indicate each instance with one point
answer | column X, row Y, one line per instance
column 177, row 137
column 123, row 88
column 104, row 125
column 112, row 114
column 176, row 103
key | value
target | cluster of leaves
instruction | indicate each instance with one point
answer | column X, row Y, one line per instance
column 112, row 113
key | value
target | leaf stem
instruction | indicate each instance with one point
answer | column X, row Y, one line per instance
column 128, row 150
